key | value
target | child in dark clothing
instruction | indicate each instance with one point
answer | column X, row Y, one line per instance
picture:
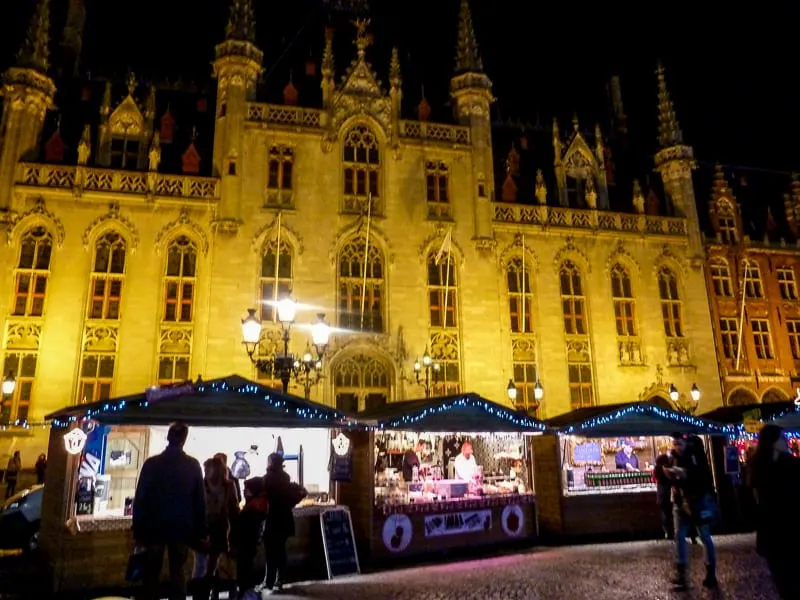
column 248, row 534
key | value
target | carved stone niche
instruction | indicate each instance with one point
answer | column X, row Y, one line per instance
column 678, row 353
column 630, row 352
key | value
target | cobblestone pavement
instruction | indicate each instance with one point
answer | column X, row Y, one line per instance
column 628, row 571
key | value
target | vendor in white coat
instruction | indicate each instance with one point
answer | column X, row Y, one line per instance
column 465, row 466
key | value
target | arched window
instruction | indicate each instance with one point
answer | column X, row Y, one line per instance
column 670, row 303
column 579, row 359
column 520, row 297
column 33, row 270
column 442, row 291
column 361, row 286
column 751, row 274
column 624, row 303
column 179, row 281
column 573, row 300
column 107, row 276
column 276, row 277
column 361, row 382
column 721, row 278
column 361, row 162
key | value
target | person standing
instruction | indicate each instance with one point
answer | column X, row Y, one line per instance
column 41, row 468
column 664, row 495
column 411, row 460
column 775, row 480
column 693, row 490
column 282, row 496
column 232, row 481
column 12, row 473
column 465, row 466
column 169, row 513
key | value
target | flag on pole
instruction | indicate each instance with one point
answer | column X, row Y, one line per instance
column 447, row 245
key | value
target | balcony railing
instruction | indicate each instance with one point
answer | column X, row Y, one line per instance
column 274, row 114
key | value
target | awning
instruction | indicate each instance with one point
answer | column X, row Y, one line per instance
column 231, row 401
column 467, row 413
column 735, row 415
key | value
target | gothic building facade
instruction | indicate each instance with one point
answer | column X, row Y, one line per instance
column 508, row 255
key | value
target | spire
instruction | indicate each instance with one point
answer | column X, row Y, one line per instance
column 328, row 65
column 242, row 22
column 35, row 51
column 467, row 58
column 669, row 131
column 394, row 69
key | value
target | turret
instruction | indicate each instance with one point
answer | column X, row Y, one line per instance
column 237, row 67
column 27, row 95
column 675, row 162
column 471, row 91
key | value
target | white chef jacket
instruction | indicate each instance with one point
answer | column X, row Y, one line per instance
column 465, row 468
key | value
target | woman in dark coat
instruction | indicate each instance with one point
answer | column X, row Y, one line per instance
column 664, row 495
column 775, row 478
column 282, row 496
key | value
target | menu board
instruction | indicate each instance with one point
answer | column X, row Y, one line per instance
column 339, row 542
column 587, row 453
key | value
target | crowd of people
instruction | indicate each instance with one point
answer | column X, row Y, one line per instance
column 180, row 508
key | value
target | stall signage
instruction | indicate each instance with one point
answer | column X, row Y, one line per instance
column 74, row 441
column 397, row 532
column 341, row 459
column 155, row 394
column 587, row 453
column 512, row 520
column 339, row 542
column 458, row 522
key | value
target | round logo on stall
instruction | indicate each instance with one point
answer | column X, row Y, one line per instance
column 397, row 532
column 512, row 520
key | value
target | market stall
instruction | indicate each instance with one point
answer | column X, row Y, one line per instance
column 439, row 474
column 594, row 473
column 96, row 452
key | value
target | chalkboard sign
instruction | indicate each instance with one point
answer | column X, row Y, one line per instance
column 339, row 542
column 587, row 453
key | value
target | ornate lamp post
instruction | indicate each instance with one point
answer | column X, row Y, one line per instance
column 9, row 384
column 306, row 369
column 682, row 403
column 538, row 393
column 431, row 370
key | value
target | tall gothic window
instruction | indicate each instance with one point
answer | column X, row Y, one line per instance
column 670, row 302
column 22, row 364
column 362, row 166
column 442, row 292
column 33, row 270
column 624, row 303
column 107, row 276
column 276, row 277
column 520, row 297
column 579, row 358
column 721, row 278
column 361, row 286
column 573, row 300
column 179, row 281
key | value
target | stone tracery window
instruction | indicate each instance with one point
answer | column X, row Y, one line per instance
column 442, row 289
column 361, row 381
column 276, row 277
column 107, row 276
column 361, row 163
column 32, row 273
column 520, row 297
column 624, row 302
column 573, row 299
column 179, row 280
column 446, row 352
column 671, row 304
column 360, row 297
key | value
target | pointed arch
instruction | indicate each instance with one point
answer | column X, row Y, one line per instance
column 359, row 227
column 668, row 258
column 362, row 167
column 363, row 120
column 621, row 254
column 774, row 394
column 32, row 271
column 569, row 251
column 37, row 215
column 433, row 243
column 361, row 283
column 514, row 250
column 113, row 220
column 183, row 225
column 363, row 376
column 741, row 396
column 269, row 232
column 579, row 158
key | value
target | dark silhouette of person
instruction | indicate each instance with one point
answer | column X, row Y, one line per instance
column 41, row 468
column 12, row 473
column 169, row 514
column 664, row 495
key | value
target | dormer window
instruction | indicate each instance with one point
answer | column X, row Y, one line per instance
column 727, row 230
column 576, row 192
column 124, row 152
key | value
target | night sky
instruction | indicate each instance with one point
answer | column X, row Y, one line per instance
column 732, row 69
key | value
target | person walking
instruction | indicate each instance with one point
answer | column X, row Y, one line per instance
column 169, row 514
column 41, row 468
column 12, row 473
column 775, row 480
column 664, row 495
column 282, row 496
column 693, row 500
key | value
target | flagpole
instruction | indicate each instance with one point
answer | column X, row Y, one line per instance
column 522, row 330
column 740, row 332
column 277, row 269
column 449, row 240
column 366, row 260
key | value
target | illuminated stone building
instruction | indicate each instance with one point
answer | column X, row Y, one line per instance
column 758, row 335
column 134, row 250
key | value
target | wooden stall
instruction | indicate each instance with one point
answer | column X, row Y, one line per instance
column 96, row 452
column 593, row 473
column 730, row 455
column 445, row 504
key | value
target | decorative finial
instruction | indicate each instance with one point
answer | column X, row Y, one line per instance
column 394, row 69
column 575, row 122
column 132, row 83
column 468, row 59
column 241, row 22
column 669, row 131
column 35, row 51
column 328, row 66
column 363, row 39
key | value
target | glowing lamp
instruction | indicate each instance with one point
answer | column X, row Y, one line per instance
column 287, row 310
column 320, row 333
column 538, row 391
column 695, row 392
column 511, row 390
column 673, row 392
column 9, row 384
column 251, row 328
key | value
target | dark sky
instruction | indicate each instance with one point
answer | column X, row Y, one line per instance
column 732, row 69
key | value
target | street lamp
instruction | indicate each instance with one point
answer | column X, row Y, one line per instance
column 511, row 390
column 538, row 393
column 285, row 366
column 682, row 403
column 431, row 370
column 9, row 384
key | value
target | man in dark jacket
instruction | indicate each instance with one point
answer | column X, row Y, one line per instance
column 282, row 496
column 169, row 513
